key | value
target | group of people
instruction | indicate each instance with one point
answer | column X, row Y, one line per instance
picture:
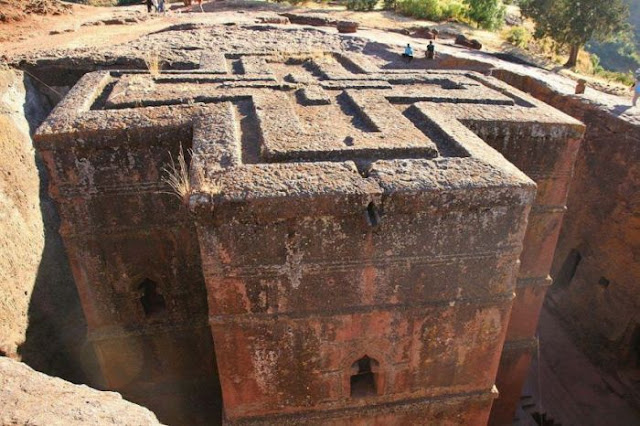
column 430, row 53
column 580, row 87
column 157, row 5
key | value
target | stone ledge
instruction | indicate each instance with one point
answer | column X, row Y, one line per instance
column 423, row 408
column 30, row 397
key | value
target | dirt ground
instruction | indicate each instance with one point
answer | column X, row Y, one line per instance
column 75, row 30
column 88, row 26
column 568, row 387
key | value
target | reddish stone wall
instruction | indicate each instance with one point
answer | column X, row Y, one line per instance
column 280, row 351
column 596, row 267
column 547, row 155
column 598, row 294
column 354, row 234
column 289, row 342
column 470, row 409
column 120, row 231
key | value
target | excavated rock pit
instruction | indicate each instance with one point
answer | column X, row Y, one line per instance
column 45, row 326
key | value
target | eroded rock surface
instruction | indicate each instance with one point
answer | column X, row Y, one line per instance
column 608, row 188
column 28, row 397
column 339, row 205
column 21, row 233
column 597, row 261
column 41, row 321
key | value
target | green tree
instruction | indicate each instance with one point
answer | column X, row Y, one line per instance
column 489, row 14
column 574, row 22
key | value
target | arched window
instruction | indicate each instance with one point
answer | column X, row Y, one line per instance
column 363, row 380
column 152, row 302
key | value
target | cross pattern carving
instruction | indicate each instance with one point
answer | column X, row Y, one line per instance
column 312, row 109
column 312, row 114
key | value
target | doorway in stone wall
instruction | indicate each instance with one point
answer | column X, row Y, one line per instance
column 363, row 381
column 152, row 301
column 568, row 269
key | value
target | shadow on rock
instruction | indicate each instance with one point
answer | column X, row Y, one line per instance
column 56, row 338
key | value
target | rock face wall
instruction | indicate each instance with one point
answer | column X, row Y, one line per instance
column 21, row 233
column 597, row 265
column 133, row 252
column 41, row 317
column 597, row 262
column 28, row 397
column 546, row 155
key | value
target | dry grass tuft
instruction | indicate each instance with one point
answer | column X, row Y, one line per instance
column 152, row 60
column 177, row 177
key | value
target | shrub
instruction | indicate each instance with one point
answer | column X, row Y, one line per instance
column 488, row 14
column 519, row 36
column 361, row 5
column 432, row 10
column 452, row 10
column 422, row 9
column 619, row 55
column 595, row 62
column 625, row 78
column 389, row 4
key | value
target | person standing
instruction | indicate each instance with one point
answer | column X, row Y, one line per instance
column 636, row 92
column 408, row 53
column 431, row 50
column 161, row 6
column 636, row 87
column 149, row 5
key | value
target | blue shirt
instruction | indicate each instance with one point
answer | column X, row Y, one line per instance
column 408, row 51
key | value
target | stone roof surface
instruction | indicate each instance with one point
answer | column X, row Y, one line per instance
column 280, row 125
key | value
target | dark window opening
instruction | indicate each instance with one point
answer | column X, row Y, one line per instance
column 543, row 419
column 568, row 270
column 373, row 215
column 363, row 382
column 152, row 302
column 604, row 282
